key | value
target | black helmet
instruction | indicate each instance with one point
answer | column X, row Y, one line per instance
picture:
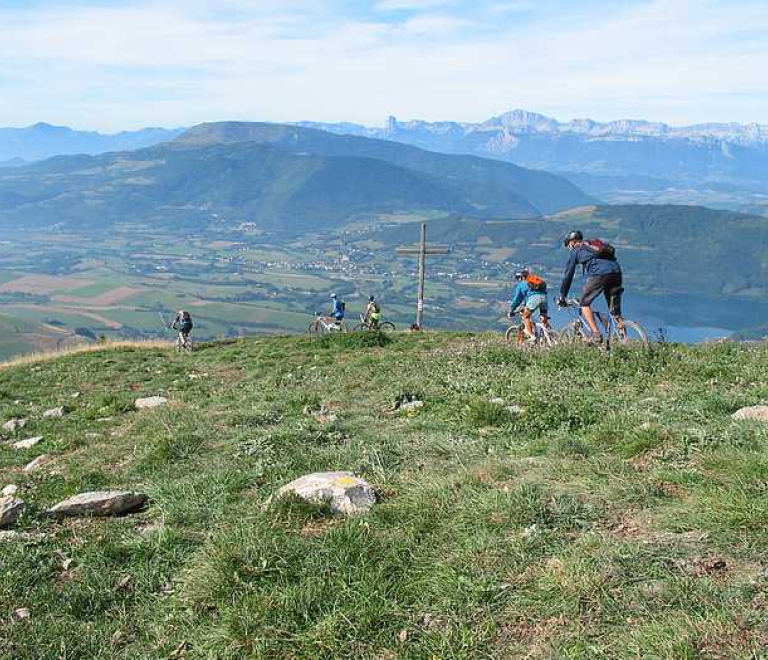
column 522, row 274
column 370, row 298
column 574, row 235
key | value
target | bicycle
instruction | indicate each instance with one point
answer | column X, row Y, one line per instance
column 363, row 326
column 183, row 344
column 578, row 330
column 544, row 335
column 325, row 324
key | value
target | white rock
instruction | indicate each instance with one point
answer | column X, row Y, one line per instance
column 151, row 402
column 36, row 464
column 13, row 425
column 498, row 400
column 26, row 444
column 516, row 410
column 410, row 406
column 344, row 492
column 99, row 503
column 75, row 395
column 10, row 489
column 752, row 413
column 55, row 412
column 21, row 614
column 10, row 510
column 10, row 535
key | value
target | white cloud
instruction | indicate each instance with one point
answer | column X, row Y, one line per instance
column 174, row 63
column 410, row 5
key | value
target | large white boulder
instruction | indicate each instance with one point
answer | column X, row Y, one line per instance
column 345, row 493
column 150, row 402
column 99, row 503
column 752, row 413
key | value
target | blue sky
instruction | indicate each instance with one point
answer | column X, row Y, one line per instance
column 117, row 64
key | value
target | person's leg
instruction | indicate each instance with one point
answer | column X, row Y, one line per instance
column 528, row 323
column 613, row 294
column 592, row 289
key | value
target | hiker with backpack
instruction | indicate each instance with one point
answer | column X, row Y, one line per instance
column 530, row 296
column 183, row 325
column 339, row 307
column 603, row 273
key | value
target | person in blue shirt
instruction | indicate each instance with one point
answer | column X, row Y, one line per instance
column 530, row 295
column 338, row 308
column 603, row 275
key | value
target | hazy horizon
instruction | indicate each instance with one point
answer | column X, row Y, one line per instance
column 113, row 65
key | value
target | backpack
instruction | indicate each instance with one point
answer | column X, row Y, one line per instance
column 343, row 306
column 536, row 283
column 602, row 249
column 185, row 322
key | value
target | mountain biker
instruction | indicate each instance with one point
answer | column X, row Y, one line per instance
column 372, row 313
column 183, row 324
column 530, row 296
column 338, row 309
column 603, row 274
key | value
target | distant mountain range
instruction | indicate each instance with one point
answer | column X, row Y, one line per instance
column 619, row 161
column 277, row 177
column 42, row 141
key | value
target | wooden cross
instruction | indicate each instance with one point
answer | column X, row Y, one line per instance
column 422, row 251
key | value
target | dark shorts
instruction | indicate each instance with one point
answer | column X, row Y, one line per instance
column 609, row 285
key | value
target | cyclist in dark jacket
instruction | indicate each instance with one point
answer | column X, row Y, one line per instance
column 183, row 325
column 603, row 276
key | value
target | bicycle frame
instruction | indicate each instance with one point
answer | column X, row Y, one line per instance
column 607, row 321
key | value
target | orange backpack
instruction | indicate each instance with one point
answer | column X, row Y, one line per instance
column 536, row 283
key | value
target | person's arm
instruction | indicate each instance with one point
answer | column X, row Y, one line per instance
column 518, row 298
column 570, row 271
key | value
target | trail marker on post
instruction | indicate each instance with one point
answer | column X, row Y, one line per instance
column 422, row 251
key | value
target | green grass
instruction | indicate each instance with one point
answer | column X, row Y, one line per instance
column 587, row 526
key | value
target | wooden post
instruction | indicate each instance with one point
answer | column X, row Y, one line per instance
column 422, row 251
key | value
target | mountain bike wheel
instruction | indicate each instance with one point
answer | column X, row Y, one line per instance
column 512, row 336
column 547, row 336
column 386, row 327
column 316, row 328
column 633, row 335
column 360, row 327
column 188, row 346
column 571, row 334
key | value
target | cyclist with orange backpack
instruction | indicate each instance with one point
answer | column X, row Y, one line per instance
column 603, row 273
column 529, row 297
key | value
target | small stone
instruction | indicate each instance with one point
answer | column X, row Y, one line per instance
column 21, row 614
column 75, row 395
column 28, row 443
column 10, row 489
column 37, row 463
column 10, row 510
column 90, row 435
column 516, row 410
column 150, row 402
column 10, row 535
column 13, row 425
column 498, row 401
column 402, row 636
column 345, row 493
column 125, row 583
column 55, row 412
column 752, row 413
column 67, row 563
column 99, row 503
column 411, row 406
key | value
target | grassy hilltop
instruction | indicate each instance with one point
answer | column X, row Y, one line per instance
column 618, row 512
